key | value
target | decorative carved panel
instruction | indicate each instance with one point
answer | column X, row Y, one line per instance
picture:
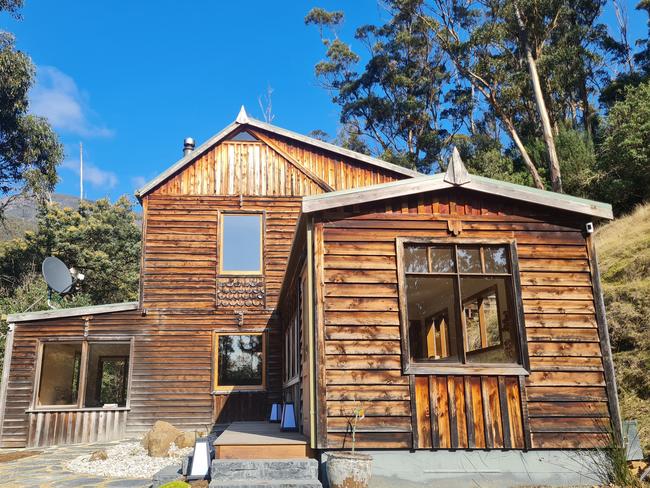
column 241, row 292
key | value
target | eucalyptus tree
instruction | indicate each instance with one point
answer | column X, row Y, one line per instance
column 395, row 101
column 29, row 148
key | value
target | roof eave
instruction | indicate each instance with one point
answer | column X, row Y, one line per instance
column 436, row 182
column 71, row 312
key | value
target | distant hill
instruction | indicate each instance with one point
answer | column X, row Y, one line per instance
column 624, row 255
column 21, row 214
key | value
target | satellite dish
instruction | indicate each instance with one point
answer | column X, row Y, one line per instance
column 57, row 275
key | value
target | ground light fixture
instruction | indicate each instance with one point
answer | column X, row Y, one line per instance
column 288, row 418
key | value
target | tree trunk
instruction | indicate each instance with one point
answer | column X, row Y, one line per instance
column 554, row 162
column 524, row 153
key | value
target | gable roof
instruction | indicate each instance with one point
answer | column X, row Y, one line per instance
column 456, row 176
column 243, row 120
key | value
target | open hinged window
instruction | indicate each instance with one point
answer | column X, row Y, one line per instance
column 459, row 307
column 83, row 374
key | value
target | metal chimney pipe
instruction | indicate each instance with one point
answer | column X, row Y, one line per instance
column 188, row 146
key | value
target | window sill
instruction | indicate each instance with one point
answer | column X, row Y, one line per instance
column 76, row 409
column 228, row 391
column 466, row 370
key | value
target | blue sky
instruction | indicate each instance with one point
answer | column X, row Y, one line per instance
column 131, row 79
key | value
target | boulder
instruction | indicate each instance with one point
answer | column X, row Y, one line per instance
column 159, row 438
column 185, row 439
column 100, row 455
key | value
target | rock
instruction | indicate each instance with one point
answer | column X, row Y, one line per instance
column 185, row 439
column 100, row 455
column 159, row 438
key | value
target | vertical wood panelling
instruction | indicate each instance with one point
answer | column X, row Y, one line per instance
column 462, row 401
column 75, row 427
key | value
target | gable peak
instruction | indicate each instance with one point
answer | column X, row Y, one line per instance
column 457, row 173
column 242, row 116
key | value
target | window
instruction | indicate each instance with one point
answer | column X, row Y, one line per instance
column 457, row 301
column 103, row 368
column 241, row 243
column 292, row 350
column 240, row 361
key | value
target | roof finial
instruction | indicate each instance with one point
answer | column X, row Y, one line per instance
column 457, row 173
column 242, row 116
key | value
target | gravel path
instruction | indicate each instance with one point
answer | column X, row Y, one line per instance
column 49, row 469
column 127, row 460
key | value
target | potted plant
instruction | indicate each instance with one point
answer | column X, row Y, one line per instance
column 350, row 469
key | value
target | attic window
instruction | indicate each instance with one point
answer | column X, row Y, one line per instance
column 243, row 136
column 241, row 244
column 458, row 305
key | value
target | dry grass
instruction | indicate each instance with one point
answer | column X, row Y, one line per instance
column 624, row 255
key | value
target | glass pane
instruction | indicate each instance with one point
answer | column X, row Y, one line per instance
column 107, row 375
column 489, row 324
column 60, row 374
column 240, row 360
column 432, row 318
column 496, row 259
column 415, row 259
column 442, row 259
column 469, row 260
column 241, row 243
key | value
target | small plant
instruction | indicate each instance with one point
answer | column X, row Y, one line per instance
column 358, row 414
column 176, row 484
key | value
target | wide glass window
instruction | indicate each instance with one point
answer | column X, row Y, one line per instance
column 459, row 303
column 241, row 244
column 240, row 360
column 60, row 368
column 105, row 367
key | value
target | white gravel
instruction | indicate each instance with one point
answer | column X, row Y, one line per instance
column 127, row 460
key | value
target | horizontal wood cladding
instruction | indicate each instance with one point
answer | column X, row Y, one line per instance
column 257, row 169
column 181, row 242
column 564, row 398
column 172, row 369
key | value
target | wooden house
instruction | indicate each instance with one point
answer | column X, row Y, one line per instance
column 461, row 313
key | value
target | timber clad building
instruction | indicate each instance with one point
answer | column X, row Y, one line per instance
column 460, row 312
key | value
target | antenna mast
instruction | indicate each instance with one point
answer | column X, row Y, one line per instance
column 81, row 172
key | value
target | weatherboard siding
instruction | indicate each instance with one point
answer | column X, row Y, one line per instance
column 174, row 329
column 562, row 403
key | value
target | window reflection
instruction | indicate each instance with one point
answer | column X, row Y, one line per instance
column 479, row 325
column 240, row 360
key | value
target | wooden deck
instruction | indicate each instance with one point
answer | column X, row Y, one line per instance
column 260, row 440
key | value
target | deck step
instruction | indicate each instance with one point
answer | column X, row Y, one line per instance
column 264, row 469
column 266, row 484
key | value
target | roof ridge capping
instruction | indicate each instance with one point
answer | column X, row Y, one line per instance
column 457, row 175
column 243, row 119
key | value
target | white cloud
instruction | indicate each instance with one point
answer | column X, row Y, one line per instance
column 97, row 177
column 138, row 181
column 57, row 97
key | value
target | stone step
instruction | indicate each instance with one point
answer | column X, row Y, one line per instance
column 266, row 484
column 264, row 469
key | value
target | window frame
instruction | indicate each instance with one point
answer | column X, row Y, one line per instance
column 522, row 366
column 83, row 372
column 216, row 387
column 220, row 216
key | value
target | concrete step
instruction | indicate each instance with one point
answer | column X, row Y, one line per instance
column 266, row 484
column 264, row 469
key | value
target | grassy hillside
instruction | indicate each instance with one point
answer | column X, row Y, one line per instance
column 624, row 256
